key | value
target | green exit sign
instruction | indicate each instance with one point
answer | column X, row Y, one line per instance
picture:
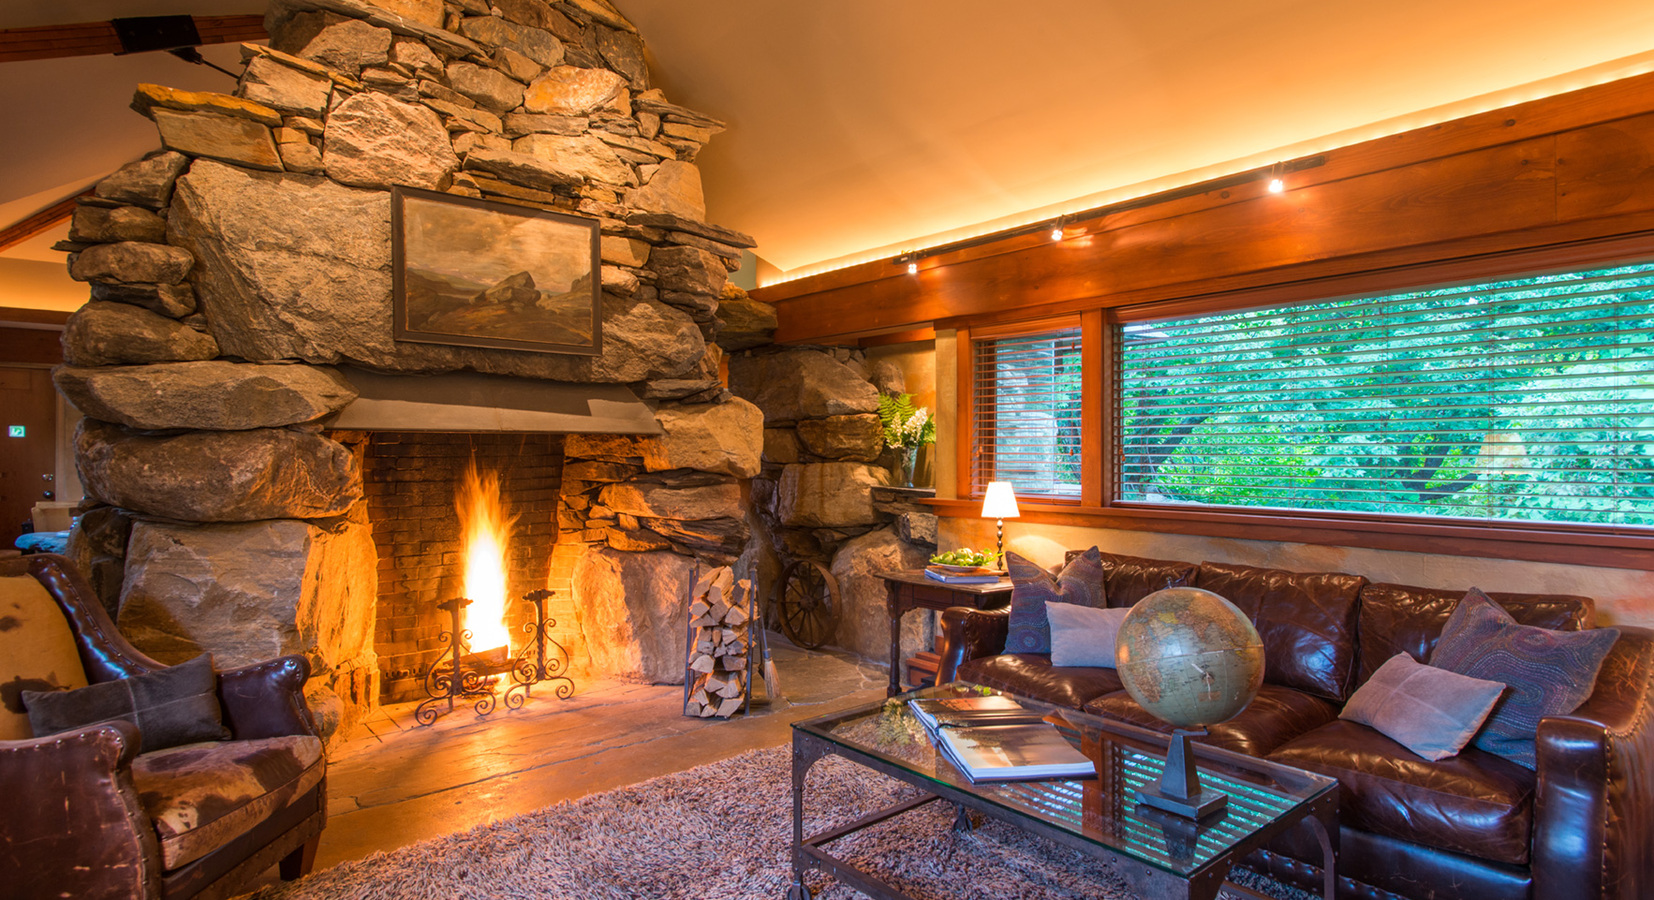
column 16, row 431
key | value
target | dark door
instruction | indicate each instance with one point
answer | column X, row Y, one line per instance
column 28, row 442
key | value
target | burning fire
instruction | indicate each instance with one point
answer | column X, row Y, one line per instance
column 483, row 517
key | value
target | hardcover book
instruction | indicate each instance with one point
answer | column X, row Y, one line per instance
column 973, row 710
column 1013, row 753
column 950, row 578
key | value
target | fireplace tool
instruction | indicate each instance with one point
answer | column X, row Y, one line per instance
column 542, row 658
column 458, row 674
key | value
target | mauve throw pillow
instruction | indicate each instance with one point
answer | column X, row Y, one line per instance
column 173, row 706
column 1082, row 635
column 1430, row 711
column 1550, row 673
column 1080, row 582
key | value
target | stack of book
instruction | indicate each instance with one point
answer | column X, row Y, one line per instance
column 961, row 574
column 993, row 738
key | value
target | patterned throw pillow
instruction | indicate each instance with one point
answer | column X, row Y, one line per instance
column 1080, row 582
column 1550, row 673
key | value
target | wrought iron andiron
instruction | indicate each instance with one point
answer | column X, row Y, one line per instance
column 542, row 659
column 457, row 674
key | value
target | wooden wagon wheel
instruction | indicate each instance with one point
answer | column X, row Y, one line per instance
column 807, row 603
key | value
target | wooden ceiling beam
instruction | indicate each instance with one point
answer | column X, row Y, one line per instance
column 98, row 38
column 39, row 222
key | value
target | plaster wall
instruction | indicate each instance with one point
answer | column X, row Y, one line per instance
column 1623, row 596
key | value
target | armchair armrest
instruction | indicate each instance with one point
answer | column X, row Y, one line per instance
column 1594, row 810
column 266, row 699
column 72, row 824
column 966, row 634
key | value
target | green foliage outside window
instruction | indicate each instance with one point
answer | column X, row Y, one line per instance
column 1528, row 399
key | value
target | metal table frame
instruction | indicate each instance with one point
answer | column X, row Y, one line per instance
column 1320, row 815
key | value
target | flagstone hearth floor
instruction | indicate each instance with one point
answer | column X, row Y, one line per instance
column 394, row 782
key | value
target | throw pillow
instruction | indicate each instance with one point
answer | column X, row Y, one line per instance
column 1083, row 636
column 37, row 651
column 172, row 706
column 1430, row 711
column 1550, row 673
column 1081, row 582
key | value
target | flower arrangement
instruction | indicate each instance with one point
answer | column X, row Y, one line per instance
column 905, row 426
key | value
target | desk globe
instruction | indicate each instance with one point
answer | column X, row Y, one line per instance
column 1192, row 659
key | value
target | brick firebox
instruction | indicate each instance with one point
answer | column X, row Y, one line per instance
column 409, row 479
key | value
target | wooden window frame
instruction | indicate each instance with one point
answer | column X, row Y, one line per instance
column 1624, row 547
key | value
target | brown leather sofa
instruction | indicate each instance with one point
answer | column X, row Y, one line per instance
column 86, row 816
column 1475, row 826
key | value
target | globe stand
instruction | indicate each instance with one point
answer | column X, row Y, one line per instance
column 1180, row 791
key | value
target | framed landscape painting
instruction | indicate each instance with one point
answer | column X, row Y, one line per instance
column 474, row 273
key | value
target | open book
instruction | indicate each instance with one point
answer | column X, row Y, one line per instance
column 1013, row 753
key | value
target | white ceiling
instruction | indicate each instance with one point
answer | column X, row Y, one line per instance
column 861, row 128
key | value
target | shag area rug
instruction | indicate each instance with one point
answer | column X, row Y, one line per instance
column 723, row 832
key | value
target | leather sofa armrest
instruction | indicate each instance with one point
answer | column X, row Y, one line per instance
column 72, row 824
column 966, row 634
column 1594, row 809
column 266, row 699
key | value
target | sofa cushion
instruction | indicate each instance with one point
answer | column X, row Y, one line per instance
column 1032, row 675
column 172, row 706
column 1307, row 622
column 1550, row 673
column 37, row 651
column 1082, row 636
column 1080, row 582
column 1128, row 579
column 1398, row 618
column 202, row 796
column 1475, row 803
column 1430, row 711
column 1277, row 715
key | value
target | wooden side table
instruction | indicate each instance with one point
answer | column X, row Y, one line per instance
column 910, row 589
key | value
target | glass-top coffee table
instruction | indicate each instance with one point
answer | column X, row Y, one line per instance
column 1160, row 854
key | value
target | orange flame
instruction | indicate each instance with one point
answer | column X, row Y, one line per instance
column 483, row 518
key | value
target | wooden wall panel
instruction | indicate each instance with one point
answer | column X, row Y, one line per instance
column 1578, row 166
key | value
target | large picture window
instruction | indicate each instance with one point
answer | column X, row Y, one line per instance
column 1026, row 413
column 1524, row 400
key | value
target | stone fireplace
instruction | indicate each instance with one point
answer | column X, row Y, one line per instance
column 232, row 509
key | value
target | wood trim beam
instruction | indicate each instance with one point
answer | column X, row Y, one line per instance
column 51, row 319
column 1582, row 546
column 98, row 38
column 40, row 221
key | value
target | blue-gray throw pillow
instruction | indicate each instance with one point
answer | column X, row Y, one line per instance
column 1550, row 673
column 1080, row 582
column 1430, row 711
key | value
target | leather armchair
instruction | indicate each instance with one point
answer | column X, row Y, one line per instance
column 78, row 818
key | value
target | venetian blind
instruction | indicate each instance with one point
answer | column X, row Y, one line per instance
column 1026, row 405
column 1526, row 399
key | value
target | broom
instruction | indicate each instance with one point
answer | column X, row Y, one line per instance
column 772, row 680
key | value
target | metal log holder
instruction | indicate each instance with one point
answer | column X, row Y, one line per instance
column 460, row 676
column 543, row 659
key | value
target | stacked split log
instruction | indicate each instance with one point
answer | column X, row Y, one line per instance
column 720, row 642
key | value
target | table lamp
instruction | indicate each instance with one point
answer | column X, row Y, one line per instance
column 999, row 504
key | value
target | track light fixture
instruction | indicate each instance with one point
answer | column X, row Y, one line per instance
column 1274, row 176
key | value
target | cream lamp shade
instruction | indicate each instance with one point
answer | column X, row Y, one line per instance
column 1000, row 502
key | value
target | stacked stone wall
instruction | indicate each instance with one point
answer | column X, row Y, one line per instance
column 231, row 270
